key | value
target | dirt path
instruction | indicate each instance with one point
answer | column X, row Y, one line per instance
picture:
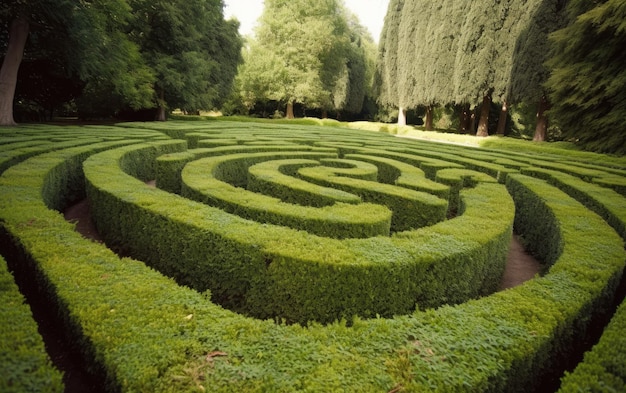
column 80, row 213
column 520, row 266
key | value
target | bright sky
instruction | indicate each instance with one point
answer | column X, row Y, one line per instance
column 371, row 13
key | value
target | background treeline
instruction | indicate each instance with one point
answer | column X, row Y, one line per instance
column 547, row 69
column 103, row 58
column 549, row 59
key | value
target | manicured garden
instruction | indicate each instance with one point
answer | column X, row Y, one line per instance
column 279, row 256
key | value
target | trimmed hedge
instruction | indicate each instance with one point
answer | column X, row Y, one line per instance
column 457, row 179
column 606, row 202
column 403, row 175
column 149, row 334
column 604, row 366
column 256, row 268
column 276, row 178
column 26, row 367
column 411, row 209
column 170, row 166
column 209, row 181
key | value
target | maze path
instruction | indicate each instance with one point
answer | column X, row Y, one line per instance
column 149, row 333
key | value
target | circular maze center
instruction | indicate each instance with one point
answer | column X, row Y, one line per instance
column 309, row 230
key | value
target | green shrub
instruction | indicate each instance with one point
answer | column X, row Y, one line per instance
column 605, row 202
column 25, row 364
column 209, row 181
column 148, row 333
column 276, row 178
column 604, row 366
column 255, row 268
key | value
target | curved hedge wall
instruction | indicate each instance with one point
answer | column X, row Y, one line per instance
column 26, row 367
column 429, row 319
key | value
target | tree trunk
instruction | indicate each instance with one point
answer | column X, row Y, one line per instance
column 483, row 123
column 502, row 118
column 401, row 117
column 428, row 122
column 10, row 66
column 541, row 129
column 472, row 128
column 324, row 114
column 289, row 114
column 464, row 119
column 160, row 115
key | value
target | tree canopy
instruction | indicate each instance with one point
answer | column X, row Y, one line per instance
column 120, row 54
column 588, row 80
column 452, row 52
column 311, row 53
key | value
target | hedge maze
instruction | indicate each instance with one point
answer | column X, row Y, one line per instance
column 278, row 258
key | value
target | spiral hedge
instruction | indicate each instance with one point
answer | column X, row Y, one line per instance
column 274, row 257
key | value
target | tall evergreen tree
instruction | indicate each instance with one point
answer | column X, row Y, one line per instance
column 525, row 71
column 438, row 53
column 387, row 77
column 587, row 83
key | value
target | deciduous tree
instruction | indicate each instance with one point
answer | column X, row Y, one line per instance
column 191, row 49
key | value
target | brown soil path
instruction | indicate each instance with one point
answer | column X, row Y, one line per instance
column 520, row 266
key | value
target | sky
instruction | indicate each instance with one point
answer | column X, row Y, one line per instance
column 371, row 13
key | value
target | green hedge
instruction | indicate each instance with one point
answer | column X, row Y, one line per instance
column 604, row 366
column 411, row 209
column 170, row 166
column 403, row 175
column 208, row 180
column 255, row 268
column 457, row 179
column 24, row 362
column 276, row 178
column 147, row 333
column 606, row 202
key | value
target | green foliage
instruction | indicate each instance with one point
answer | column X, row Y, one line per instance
column 149, row 333
column 192, row 50
column 25, row 364
column 587, row 80
column 450, row 52
column 312, row 54
column 604, row 367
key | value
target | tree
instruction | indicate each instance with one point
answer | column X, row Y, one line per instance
column 587, row 83
column 387, row 76
column 309, row 53
column 525, row 72
column 191, row 49
column 355, row 78
column 18, row 34
column 464, row 53
column 83, row 39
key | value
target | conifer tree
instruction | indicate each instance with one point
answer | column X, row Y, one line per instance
column 387, row 77
column 587, row 83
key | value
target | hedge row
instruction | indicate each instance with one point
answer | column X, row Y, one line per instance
column 208, row 180
column 277, row 178
column 267, row 270
column 411, row 209
column 170, row 166
column 404, row 175
column 604, row 367
column 149, row 334
column 24, row 362
column 606, row 202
